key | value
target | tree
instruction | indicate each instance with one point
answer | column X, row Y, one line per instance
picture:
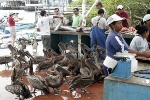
column 136, row 8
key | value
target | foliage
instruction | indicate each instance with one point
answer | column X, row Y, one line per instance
column 136, row 8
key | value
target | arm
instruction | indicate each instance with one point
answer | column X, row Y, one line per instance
column 145, row 54
column 129, row 22
column 127, row 18
column 80, row 21
column 38, row 27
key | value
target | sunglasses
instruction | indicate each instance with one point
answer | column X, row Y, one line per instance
column 96, row 5
column 74, row 11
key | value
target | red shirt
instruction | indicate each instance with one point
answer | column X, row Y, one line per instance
column 124, row 14
column 11, row 21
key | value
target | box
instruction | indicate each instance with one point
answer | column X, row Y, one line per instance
column 123, row 69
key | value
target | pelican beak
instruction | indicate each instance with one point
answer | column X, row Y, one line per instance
column 29, row 55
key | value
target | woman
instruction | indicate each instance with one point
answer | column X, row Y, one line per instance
column 139, row 43
column 113, row 46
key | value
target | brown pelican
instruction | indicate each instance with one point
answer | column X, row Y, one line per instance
column 19, row 69
column 37, row 81
column 12, row 49
column 18, row 87
column 62, row 47
column 52, row 52
column 55, row 81
column 45, row 65
column 5, row 60
column 82, row 82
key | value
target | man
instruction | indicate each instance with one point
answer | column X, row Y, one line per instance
column 44, row 27
column 100, row 21
column 123, row 14
column 56, row 21
column 77, row 18
column 97, row 33
column 11, row 22
column 100, row 6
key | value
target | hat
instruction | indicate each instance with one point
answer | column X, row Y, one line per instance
column 119, row 7
column 146, row 17
column 113, row 18
column 11, row 13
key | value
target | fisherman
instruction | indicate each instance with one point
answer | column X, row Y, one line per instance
column 97, row 33
column 123, row 14
column 43, row 26
column 99, row 6
column 77, row 18
column 56, row 21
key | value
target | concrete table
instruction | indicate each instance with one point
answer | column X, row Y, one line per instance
column 133, row 88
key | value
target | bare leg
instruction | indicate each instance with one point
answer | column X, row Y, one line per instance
column 13, row 40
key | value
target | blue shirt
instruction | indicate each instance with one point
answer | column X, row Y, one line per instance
column 112, row 45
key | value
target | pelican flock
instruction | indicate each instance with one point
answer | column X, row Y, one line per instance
column 57, row 67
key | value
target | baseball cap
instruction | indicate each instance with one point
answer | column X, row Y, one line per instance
column 11, row 13
column 119, row 7
column 113, row 18
column 146, row 17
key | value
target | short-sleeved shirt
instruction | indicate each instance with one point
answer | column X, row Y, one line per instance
column 124, row 14
column 112, row 45
column 105, row 14
column 56, row 21
column 44, row 25
column 76, row 20
column 139, row 44
column 102, row 23
column 11, row 21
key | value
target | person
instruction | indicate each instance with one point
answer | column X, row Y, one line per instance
column 43, row 26
column 115, row 43
column 139, row 43
column 147, row 12
column 56, row 21
column 146, row 22
column 100, row 6
column 97, row 34
column 11, row 22
column 100, row 21
column 124, row 14
column 77, row 18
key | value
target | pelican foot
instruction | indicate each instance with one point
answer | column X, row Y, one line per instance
column 85, row 91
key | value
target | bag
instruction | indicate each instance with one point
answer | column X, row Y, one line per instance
column 110, row 62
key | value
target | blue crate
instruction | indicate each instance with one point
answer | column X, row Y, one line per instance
column 123, row 69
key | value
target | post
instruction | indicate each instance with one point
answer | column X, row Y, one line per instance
column 84, row 12
column 79, row 46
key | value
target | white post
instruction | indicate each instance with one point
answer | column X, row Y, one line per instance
column 91, row 8
column 84, row 12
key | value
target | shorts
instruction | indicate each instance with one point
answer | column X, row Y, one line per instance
column 46, row 40
column 13, row 31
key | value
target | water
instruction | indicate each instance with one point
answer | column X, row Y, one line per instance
column 24, row 27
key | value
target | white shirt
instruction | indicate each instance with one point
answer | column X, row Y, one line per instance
column 139, row 44
column 44, row 25
column 105, row 14
column 56, row 21
column 102, row 23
